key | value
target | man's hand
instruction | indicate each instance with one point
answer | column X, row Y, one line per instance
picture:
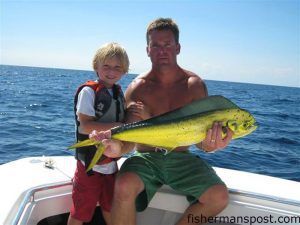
column 113, row 148
column 214, row 140
column 138, row 109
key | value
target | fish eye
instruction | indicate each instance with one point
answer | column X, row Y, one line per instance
column 247, row 124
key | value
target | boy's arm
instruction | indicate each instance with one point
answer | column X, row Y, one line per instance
column 136, row 111
column 86, row 113
column 88, row 124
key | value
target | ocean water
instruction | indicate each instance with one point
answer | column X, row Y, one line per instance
column 36, row 118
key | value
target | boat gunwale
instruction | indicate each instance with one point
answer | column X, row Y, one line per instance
column 265, row 197
column 29, row 197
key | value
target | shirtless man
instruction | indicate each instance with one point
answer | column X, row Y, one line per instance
column 166, row 87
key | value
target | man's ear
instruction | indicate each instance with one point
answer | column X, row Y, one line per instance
column 178, row 47
column 147, row 50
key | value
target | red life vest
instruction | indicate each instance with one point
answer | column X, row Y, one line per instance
column 87, row 153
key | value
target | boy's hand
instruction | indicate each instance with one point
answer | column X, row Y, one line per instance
column 113, row 148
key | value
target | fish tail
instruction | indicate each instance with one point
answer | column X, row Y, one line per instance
column 97, row 156
column 84, row 143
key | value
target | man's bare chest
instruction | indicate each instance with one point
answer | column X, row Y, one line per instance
column 160, row 101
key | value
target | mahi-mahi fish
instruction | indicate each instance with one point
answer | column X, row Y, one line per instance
column 185, row 126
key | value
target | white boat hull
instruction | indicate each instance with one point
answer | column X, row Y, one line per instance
column 32, row 192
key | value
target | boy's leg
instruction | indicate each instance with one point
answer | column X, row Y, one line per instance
column 85, row 194
column 106, row 196
column 73, row 221
column 107, row 217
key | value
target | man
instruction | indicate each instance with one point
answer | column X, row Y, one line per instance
column 166, row 87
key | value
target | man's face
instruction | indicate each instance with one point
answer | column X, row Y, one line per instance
column 162, row 48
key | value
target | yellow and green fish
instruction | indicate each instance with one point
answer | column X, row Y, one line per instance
column 185, row 126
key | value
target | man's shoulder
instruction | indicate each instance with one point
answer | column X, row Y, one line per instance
column 136, row 88
column 195, row 84
column 139, row 81
column 190, row 74
column 193, row 78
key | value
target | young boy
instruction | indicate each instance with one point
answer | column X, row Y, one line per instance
column 98, row 105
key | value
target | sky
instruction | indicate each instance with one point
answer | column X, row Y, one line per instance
column 251, row 41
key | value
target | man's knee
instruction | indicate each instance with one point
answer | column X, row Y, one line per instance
column 221, row 196
column 216, row 195
column 128, row 186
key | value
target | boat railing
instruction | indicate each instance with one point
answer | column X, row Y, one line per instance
column 269, row 198
column 29, row 198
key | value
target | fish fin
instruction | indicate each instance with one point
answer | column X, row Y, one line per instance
column 96, row 157
column 210, row 103
column 84, row 143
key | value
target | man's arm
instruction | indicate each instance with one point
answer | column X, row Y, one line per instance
column 135, row 111
column 134, row 97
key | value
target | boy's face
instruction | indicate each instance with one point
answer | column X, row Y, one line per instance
column 110, row 71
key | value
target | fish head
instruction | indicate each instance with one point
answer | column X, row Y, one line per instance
column 242, row 124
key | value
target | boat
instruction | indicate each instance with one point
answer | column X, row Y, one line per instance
column 37, row 190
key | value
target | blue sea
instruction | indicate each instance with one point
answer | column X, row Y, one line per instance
column 36, row 118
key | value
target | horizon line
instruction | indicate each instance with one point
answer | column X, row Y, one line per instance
column 136, row 74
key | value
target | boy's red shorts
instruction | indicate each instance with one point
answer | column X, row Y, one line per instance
column 88, row 190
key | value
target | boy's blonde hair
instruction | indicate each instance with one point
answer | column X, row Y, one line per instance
column 109, row 51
